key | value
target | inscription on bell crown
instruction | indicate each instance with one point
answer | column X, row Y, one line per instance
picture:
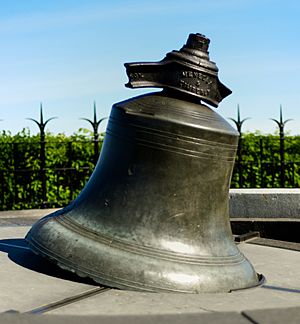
column 194, row 88
column 198, row 75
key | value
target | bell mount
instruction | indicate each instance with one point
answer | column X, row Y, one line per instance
column 188, row 71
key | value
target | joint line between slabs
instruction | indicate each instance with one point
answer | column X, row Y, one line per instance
column 249, row 318
column 67, row 301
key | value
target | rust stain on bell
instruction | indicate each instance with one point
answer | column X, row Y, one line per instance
column 154, row 214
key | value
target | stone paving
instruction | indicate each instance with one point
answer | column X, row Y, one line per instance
column 30, row 285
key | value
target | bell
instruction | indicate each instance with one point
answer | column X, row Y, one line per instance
column 154, row 214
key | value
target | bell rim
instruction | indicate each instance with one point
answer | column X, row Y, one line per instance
column 115, row 281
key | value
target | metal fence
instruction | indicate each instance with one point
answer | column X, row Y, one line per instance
column 43, row 174
column 266, row 175
column 271, row 165
column 33, row 178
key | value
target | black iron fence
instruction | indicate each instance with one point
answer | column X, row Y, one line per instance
column 51, row 174
column 42, row 173
column 267, row 161
column 266, row 175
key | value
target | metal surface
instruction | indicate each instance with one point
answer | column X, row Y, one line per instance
column 41, row 124
column 281, row 123
column 95, row 123
column 188, row 71
column 154, row 214
column 239, row 123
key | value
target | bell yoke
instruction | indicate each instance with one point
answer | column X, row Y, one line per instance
column 154, row 214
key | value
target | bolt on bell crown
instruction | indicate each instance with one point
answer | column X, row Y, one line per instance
column 154, row 214
column 198, row 42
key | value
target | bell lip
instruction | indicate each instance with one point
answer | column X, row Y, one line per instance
column 261, row 281
column 114, row 281
column 122, row 286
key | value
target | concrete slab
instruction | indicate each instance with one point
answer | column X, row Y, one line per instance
column 214, row 318
column 23, row 217
column 265, row 203
column 274, row 316
column 281, row 268
column 29, row 213
column 276, row 243
column 28, row 281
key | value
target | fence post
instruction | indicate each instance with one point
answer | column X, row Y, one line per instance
column 95, row 124
column 41, row 124
column 261, row 159
column 239, row 123
column 70, row 170
column 281, row 125
column 15, row 171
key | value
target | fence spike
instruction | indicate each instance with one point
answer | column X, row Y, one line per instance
column 41, row 113
column 238, row 122
column 41, row 124
column 95, row 123
column 281, row 123
column 95, row 113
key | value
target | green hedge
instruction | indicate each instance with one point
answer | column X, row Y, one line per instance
column 70, row 161
column 261, row 163
column 68, row 165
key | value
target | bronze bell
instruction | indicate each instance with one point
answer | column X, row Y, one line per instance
column 154, row 214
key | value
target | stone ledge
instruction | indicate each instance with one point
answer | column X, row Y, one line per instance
column 26, row 213
column 264, row 203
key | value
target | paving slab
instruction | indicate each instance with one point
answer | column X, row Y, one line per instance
column 274, row 316
column 212, row 318
column 267, row 316
column 23, row 217
column 28, row 281
column 27, row 213
column 281, row 289
column 276, row 243
column 281, row 267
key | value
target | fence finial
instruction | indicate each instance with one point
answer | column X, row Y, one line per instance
column 238, row 122
column 41, row 124
column 281, row 123
column 95, row 123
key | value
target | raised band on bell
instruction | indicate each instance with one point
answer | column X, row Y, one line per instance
column 154, row 214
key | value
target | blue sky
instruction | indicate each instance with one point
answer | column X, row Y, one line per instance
column 67, row 54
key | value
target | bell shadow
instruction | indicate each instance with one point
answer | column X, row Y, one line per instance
column 19, row 253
